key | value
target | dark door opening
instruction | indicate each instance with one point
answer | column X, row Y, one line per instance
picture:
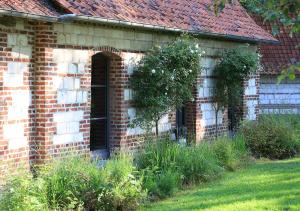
column 99, row 103
column 181, row 131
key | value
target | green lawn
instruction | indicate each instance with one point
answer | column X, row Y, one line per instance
column 265, row 185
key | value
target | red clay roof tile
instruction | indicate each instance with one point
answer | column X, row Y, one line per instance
column 37, row 7
column 189, row 15
column 277, row 57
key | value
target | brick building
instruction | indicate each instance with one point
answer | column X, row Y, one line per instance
column 283, row 98
column 65, row 65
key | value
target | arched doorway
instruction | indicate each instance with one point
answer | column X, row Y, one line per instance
column 99, row 105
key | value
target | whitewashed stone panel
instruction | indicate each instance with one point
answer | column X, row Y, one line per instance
column 14, row 133
column 68, row 127
column 209, row 113
column 282, row 98
column 14, row 76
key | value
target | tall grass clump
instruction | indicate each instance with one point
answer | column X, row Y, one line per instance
column 22, row 192
column 231, row 153
column 272, row 136
column 76, row 183
column 72, row 182
column 167, row 166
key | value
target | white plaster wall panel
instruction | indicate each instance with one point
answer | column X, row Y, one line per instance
column 14, row 133
column 208, row 114
column 131, row 113
column 134, row 131
column 280, row 94
column 68, row 90
column 251, row 107
column 251, row 89
column 280, row 111
column 163, row 124
column 14, row 75
column 207, row 65
column 128, row 94
column 67, row 138
column 21, row 100
column 206, row 89
column 12, row 80
column 70, row 61
column 19, row 45
column 81, row 68
column 130, row 61
column 70, row 116
column 68, row 127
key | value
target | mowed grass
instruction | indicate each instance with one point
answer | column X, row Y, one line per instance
column 266, row 185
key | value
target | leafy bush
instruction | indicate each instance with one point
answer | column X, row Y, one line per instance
column 122, row 189
column 198, row 164
column 72, row 182
column 167, row 74
column 271, row 137
column 161, row 184
column 231, row 154
column 22, row 192
column 76, row 183
column 167, row 166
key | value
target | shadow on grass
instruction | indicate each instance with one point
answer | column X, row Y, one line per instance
column 265, row 185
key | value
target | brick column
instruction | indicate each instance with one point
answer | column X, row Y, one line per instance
column 44, row 97
column 193, row 115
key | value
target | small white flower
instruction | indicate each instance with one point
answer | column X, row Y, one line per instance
column 162, row 71
column 197, row 46
column 191, row 71
column 203, row 52
column 153, row 71
column 245, row 67
column 166, row 93
column 192, row 51
column 172, row 77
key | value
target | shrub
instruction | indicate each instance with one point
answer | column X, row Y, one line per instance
column 76, row 183
column 21, row 192
column 72, row 182
column 271, row 137
column 198, row 164
column 167, row 165
column 231, row 153
column 161, row 184
column 122, row 188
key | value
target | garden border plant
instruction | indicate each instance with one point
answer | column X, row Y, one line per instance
column 234, row 67
column 163, row 80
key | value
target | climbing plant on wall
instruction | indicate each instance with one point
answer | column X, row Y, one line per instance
column 164, row 79
column 234, row 66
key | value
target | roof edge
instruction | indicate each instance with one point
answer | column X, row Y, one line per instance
column 93, row 19
column 17, row 14
column 73, row 17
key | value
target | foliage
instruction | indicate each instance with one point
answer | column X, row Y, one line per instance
column 271, row 137
column 71, row 182
column 235, row 65
column 265, row 185
column 76, row 183
column 231, row 154
column 122, row 187
column 164, row 79
column 167, row 166
column 22, row 192
column 283, row 12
